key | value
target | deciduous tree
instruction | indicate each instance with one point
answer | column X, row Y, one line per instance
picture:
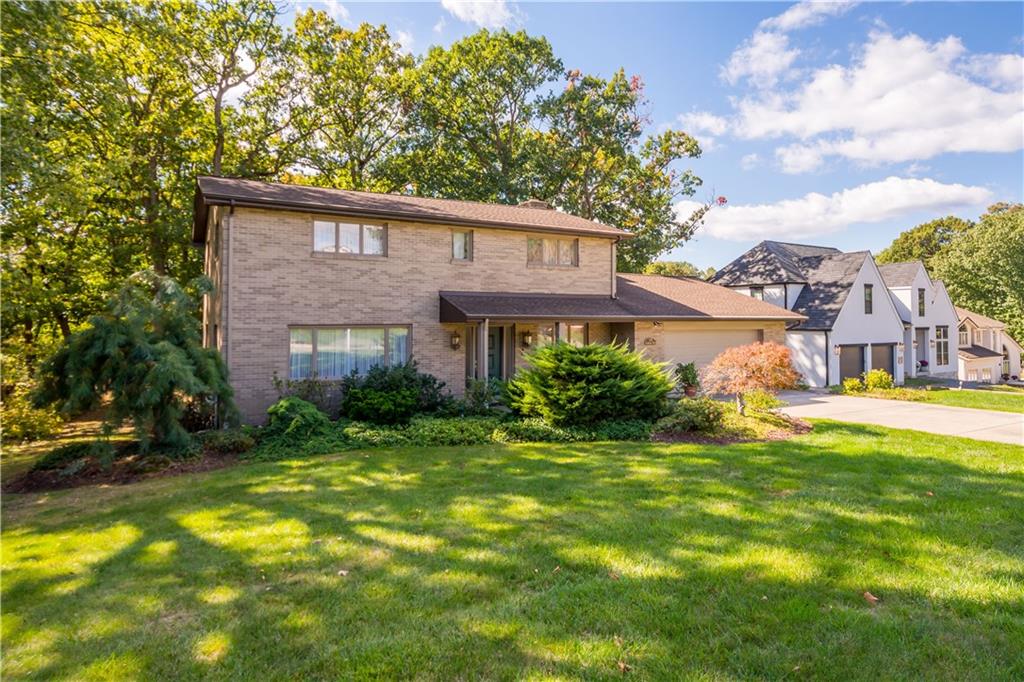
column 756, row 367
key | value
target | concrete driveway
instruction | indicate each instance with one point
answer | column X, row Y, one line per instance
column 1001, row 427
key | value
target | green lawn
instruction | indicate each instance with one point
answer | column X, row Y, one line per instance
column 1000, row 398
column 581, row 561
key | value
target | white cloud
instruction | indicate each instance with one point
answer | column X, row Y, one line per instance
column 816, row 214
column 703, row 122
column 902, row 99
column 406, row 40
column 762, row 59
column 998, row 70
column 483, row 13
column 805, row 14
column 750, row 161
column 439, row 26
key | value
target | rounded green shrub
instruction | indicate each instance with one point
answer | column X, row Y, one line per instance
column 763, row 401
column 295, row 418
column 702, row 414
column 878, row 379
column 852, row 385
column 570, row 385
column 228, row 441
column 392, row 395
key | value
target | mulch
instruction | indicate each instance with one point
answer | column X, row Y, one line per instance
column 122, row 471
column 797, row 427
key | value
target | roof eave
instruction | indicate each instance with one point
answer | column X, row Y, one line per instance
column 209, row 199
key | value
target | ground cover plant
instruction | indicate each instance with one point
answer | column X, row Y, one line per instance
column 852, row 552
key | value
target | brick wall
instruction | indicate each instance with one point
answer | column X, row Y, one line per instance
column 274, row 281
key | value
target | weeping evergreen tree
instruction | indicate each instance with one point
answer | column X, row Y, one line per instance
column 145, row 355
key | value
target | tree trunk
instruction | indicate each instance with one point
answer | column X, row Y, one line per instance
column 741, row 406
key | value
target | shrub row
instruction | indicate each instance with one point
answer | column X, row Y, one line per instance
column 296, row 428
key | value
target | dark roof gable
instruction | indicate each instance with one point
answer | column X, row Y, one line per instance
column 770, row 262
column 900, row 274
column 251, row 193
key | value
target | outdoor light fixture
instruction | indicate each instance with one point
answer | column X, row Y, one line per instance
column 657, row 324
column 456, row 341
column 915, row 344
column 931, row 342
column 899, row 346
column 837, row 349
column 527, row 339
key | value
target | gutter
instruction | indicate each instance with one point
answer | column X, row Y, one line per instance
column 207, row 200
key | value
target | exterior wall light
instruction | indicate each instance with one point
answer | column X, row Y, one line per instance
column 837, row 349
column 456, row 341
column 527, row 339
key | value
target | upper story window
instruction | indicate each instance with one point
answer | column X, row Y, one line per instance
column 978, row 337
column 868, row 301
column 964, row 339
column 552, row 251
column 462, row 245
column 757, row 292
column 920, row 302
column 331, row 236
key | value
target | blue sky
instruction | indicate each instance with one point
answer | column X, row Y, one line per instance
column 836, row 124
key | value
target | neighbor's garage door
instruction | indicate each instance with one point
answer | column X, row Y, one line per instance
column 882, row 357
column 699, row 346
column 851, row 361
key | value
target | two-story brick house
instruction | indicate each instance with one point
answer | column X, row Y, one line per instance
column 313, row 282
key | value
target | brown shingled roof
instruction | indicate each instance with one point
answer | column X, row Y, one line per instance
column 650, row 297
column 978, row 319
column 226, row 191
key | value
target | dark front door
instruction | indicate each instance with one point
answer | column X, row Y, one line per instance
column 495, row 354
column 881, row 357
column 851, row 361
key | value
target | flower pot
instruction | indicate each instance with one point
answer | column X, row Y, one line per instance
column 690, row 391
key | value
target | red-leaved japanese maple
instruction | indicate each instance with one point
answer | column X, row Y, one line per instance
column 743, row 369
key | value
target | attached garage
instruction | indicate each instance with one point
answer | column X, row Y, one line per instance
column 882, row 357
column 851, row 361
column 682, row 343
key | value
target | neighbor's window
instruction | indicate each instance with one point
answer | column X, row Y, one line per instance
column 576, row 334
column 942, row 345
column 868, row 302
column 986, row 374
column 552, row 251
column 920, row 302
column 978, row 337
column 757, row 292
column 330, row 236
column 964, row 338
column 462, row 245
column 336, row 352
column 972, row 375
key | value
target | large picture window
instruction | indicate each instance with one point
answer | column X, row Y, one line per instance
column 336, row 352
column 552, row 251
column 942, row 345
column 331, row 236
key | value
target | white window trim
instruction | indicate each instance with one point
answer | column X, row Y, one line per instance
column 339, row 221
column 576, row 252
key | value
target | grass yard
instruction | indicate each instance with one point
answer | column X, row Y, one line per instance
column 999, row 398
column 595, row 561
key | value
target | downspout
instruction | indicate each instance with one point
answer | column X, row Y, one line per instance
column 614, row 251
column 828, row 356
column 226, row 314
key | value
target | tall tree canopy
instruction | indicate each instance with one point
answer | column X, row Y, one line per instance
column 111, row 109
column 683, row 268
column 983, row 268
column 925, row 241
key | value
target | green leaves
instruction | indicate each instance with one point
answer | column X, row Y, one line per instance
column 145, row 356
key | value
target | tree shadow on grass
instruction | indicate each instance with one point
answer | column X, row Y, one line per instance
column 740, row 561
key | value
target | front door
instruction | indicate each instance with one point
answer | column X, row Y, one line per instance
column 922, row 346
column 495, row 353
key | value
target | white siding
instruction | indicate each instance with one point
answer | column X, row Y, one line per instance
column 809, row 355
column 853, row 326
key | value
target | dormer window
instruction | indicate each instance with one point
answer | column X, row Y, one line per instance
column 964, row 337
column 757, row 292
column 355, row 239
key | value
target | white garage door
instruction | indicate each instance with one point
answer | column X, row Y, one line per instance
column 701, row 347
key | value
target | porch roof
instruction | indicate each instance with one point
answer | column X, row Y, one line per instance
column 639, row 297
column 977, row 353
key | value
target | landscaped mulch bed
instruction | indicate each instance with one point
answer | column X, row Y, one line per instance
column 795, row 427
column 123, row 470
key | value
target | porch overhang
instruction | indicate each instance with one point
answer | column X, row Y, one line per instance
column 468, row 306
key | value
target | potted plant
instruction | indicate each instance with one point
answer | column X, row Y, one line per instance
column 686, row 376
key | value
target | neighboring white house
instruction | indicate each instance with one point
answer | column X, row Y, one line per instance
column 852, row 323
column 929, row 319
column 986, row 353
